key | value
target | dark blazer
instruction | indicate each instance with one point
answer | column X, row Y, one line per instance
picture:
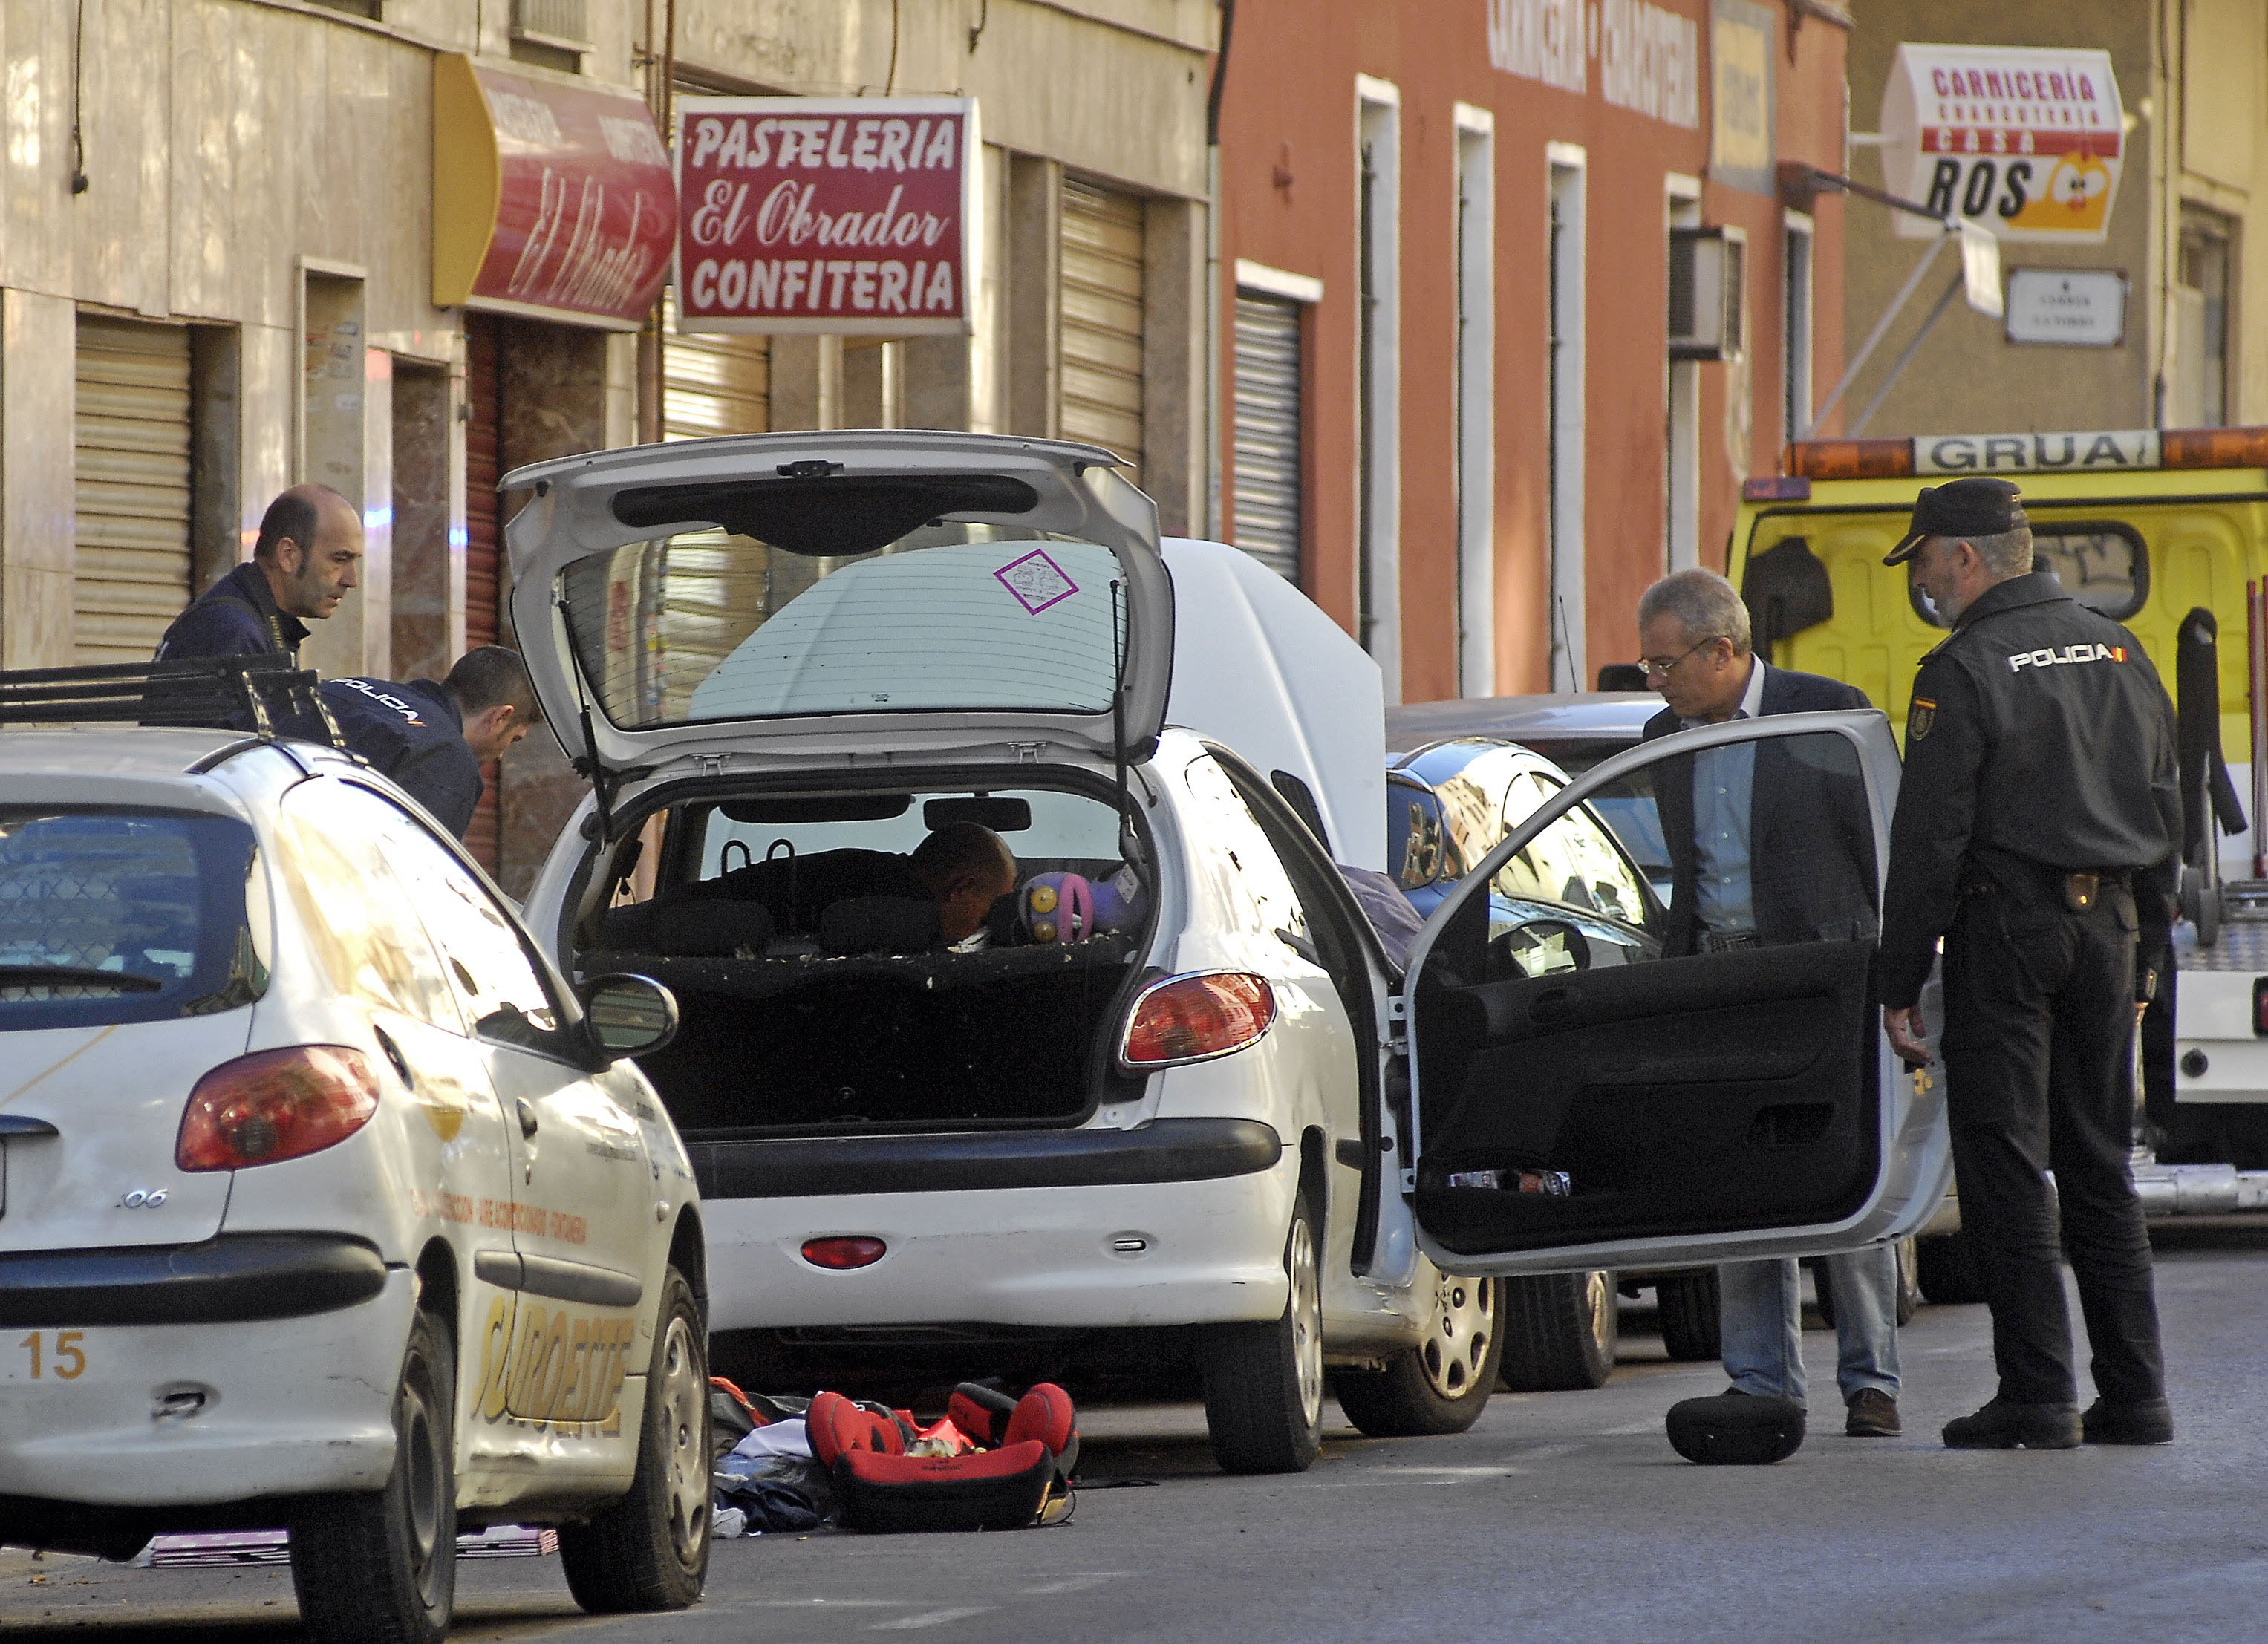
column 235, row 617
column 1811, row 842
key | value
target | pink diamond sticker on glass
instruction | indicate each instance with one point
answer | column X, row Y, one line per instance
column 1036, row 581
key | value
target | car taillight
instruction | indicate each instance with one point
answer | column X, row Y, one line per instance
column 1188, row 1019
column 274, row 1105
column 842, row 1254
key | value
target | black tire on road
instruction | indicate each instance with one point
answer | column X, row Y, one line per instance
column 1690, row 1330
column 1263, row 1382
column 650, row 1549
column 1945, row 1267
column 1909, row 1297
column 380, row 1567
column 1560, row 1330
column 1442, row 1384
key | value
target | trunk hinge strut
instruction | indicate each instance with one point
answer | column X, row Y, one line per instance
column 1129, row 837
column 603, row 782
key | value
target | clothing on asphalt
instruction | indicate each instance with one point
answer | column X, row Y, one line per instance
column 415, row 732
column 235, row 617
column 2040, row 805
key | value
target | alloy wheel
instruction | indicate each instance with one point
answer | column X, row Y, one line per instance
column 1306, row 1320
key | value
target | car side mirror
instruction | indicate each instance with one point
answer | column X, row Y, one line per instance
column 1543, row 947
column 628, row 1015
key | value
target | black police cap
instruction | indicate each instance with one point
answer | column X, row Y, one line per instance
column 1969, row 508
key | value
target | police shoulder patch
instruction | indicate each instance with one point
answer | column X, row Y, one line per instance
column 1920, row 717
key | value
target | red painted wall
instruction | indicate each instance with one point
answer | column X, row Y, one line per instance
column 1288, row 199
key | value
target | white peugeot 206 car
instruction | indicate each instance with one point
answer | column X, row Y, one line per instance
column 1169, row 1098
column 327, row 1206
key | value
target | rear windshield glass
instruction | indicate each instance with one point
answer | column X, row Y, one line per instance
column 711, row 625
column 120, row 916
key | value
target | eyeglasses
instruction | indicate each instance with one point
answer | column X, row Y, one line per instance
column 1654, row 667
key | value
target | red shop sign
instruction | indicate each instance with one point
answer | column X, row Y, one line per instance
column 547, row 200
column 819, row 214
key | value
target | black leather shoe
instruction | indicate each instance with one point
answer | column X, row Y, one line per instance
column 1736, row 1429
column 2149, row 1422
column 2003, row 1426
column 1873, row 1415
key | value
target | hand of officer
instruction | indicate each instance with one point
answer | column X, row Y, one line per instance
column 1904, row 1027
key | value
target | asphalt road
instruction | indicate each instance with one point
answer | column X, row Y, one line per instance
column 1561, row 1515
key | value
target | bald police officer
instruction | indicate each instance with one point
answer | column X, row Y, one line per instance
column 2041, row 809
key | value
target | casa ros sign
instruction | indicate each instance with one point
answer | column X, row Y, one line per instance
column 2026, row 140
column 833, row 215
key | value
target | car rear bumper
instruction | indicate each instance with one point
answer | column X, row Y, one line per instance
column 232, row 1278
column 1101, row 1254
column 159, row 1415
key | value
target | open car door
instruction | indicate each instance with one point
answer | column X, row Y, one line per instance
column 1714, row 1084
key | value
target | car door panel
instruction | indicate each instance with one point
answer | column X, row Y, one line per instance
column 577, row 1173
column 1668, row 1109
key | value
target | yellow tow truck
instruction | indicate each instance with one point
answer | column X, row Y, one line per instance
column 2164, row 531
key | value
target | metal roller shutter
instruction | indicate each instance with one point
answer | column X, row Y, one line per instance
column 131, row 494
column 712, row 384
column 1102, row 318
column 483, row 444
column 1268, row 437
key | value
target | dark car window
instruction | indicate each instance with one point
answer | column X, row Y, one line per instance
column 124, row 916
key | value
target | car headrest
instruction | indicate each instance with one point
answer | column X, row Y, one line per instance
column 879, row 925
column 1044, row 1413
column 836, row 1427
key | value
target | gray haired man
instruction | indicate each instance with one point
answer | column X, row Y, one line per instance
column 1729, row 832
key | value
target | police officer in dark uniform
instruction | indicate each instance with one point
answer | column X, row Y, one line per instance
column 2038, row 828
column 432, row 738
column 307, row 555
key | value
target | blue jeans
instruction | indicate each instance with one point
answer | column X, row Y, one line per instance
column 1763, row 1323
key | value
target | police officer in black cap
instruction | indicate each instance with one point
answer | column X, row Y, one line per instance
column 2037, row 829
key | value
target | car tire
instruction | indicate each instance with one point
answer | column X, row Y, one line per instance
column 648, row 1550
column 1910, row 1297
column 1686, row 1301
column 1263, row 1382
column 1442, row 1384
column 1945, row 1269
column 380, row 1567
column 1560, row 1331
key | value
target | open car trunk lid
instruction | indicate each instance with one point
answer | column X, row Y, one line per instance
column 814, row 599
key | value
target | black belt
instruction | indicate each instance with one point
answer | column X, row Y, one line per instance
column 2077, row 889
column 1727, row 941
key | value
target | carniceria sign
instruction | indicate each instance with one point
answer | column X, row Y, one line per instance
column 2026, row 140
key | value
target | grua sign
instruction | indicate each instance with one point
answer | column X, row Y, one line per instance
column 2026, row 140
column 825, row 215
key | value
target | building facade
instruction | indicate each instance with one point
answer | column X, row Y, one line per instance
column 1510, row 302
column 2192, row 78
column 236, row 251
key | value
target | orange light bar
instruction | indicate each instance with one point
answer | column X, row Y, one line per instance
column 2213, row 448
column 1852, row 458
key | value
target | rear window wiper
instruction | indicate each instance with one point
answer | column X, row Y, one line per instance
column 77, row 976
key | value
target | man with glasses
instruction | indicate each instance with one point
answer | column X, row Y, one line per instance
column 1765, row 850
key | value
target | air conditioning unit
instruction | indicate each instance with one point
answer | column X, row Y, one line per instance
column 562, row 24
column 1707, row 270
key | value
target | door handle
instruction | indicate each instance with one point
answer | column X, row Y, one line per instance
column 527, row 1126
column 393, row 1055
